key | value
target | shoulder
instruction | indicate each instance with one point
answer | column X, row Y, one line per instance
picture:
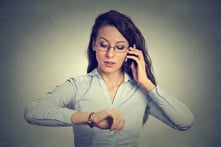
column 83, row 79
column 79, row 79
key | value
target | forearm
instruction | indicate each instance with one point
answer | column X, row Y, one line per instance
column 147, row 85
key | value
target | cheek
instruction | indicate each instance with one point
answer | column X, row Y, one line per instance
column 99, row 56
column 122, row 58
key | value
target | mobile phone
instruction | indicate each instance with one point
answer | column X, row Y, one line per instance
column 129, row 62
column 127, row 65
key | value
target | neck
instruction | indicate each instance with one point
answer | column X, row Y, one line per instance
column 115, row 77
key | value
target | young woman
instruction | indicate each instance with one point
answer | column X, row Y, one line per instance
column 109, row 105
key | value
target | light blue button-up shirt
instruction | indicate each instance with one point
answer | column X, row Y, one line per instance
column 88, row 93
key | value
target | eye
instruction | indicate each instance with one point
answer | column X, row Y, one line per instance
column 104, row 45
column 120, row 47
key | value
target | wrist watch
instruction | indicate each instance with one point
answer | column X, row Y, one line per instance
column 90, row 121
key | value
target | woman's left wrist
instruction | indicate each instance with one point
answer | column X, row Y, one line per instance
column 148, row 85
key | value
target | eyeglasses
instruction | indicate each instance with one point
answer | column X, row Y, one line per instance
column 118, row 48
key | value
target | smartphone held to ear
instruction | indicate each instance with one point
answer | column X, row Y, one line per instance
column 129, row 62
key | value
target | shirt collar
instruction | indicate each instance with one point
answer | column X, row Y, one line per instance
column 127, row 77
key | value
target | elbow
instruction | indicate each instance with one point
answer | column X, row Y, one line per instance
column 28, row 115
column 186, row 124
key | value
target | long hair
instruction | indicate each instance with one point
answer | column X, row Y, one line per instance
column 129, row 30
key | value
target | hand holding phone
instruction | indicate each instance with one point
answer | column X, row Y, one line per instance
column 128, row 62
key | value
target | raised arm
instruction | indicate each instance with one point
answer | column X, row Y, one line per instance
column 161, row 105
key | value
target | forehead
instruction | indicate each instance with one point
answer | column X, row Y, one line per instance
column 111, row 34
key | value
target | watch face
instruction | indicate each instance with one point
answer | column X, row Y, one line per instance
column 90, row 121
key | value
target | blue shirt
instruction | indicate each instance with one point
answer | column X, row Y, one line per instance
column 88, row 93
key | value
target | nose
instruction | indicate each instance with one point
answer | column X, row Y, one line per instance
column 110, row 52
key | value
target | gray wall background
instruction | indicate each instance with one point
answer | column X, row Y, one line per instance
column 43, row 43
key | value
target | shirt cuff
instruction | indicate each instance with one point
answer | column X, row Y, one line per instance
column 67, row 115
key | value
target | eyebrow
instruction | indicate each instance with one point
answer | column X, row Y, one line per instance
column 109, row 41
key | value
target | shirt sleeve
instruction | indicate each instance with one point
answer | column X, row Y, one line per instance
column 53, row 109
column 169, row 110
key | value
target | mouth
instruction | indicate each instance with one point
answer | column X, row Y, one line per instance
column 109, row 63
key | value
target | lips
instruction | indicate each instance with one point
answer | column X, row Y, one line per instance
column 109, row 63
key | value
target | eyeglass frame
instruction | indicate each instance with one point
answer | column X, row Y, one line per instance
column 114, row 47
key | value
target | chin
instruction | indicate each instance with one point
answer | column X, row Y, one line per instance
column 109, row 70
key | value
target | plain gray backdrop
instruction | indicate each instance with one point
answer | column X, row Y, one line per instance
column 43, row 43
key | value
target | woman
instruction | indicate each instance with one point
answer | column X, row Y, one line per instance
column 110, row 104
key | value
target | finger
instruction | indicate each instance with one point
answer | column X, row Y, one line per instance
column 116, row 120
column 135, row 52
column 135, row 58
column 114, row 124
column 133, row 67
column 120, row 125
